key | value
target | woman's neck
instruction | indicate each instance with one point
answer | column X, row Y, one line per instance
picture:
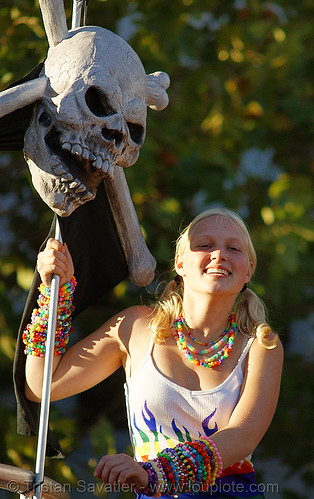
column 207, row 317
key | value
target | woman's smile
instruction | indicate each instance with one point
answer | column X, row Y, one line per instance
column 217, row 271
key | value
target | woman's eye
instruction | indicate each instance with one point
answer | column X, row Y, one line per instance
column 204, row 245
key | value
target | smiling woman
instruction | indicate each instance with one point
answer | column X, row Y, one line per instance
column 221, row 240
column 202, row 366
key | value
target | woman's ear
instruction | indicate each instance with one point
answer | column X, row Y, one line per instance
column 250, row 271
column 179, row 264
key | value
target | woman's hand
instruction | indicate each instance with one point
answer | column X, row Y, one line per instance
column 55, row 259
column 121, row 469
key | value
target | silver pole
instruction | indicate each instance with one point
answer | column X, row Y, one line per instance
column 51, row 330
column 76, row 13
column 45, row 399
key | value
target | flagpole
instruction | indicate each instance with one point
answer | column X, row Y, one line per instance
column 51, row 330
column 76, row 13
column 45, row 400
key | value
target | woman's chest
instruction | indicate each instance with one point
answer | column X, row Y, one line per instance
column 175, row 366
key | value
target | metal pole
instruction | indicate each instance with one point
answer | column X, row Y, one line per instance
column 76, row 13
column 51, row 330
column 45, row 399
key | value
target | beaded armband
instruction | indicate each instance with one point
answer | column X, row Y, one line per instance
column 35, row 333
column 189, row 467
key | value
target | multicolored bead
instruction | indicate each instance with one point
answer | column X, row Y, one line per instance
column 35, row 333
column 228, row 336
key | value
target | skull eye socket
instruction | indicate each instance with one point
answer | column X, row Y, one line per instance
column 97, row 102
column 136, row 132
column 44, row 119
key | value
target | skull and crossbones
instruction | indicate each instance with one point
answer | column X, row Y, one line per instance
column 89, row 123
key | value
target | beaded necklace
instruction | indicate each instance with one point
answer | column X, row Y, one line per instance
column 180, row 327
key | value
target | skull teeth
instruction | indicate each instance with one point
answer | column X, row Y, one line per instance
column 107, row 167
column 77, row 186
column 59, row 169
column 76, row 149
column 54, row 160
column 88, row 196
column 66, row 146
column 66, row 177
column 74, row 184
column 93, row 154
column 88, row 152
column 98, row 162
column 104, row 165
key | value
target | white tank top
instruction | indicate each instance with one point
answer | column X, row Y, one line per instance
column 162, row 413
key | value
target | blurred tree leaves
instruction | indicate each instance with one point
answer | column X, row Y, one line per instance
column 237, row 132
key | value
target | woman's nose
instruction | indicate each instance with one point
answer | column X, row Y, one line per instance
column 218, row 254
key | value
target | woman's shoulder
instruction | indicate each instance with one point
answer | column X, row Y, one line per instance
column 269, row 352
column 269, row 343
column 138, row 313
column 134, row 322
column 130, row 316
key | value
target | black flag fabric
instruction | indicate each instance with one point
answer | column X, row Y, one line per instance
column 13, row 126
column 91, row 235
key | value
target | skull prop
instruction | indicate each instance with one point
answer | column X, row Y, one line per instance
column 90, row 114
column 91, row 118
column 89, row 121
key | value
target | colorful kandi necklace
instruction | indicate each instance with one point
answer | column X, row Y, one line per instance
column 227, row 338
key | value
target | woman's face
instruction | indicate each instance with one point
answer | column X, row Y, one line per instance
column 216, row 258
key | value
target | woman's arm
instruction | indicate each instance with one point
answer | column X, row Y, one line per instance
column 84, row 365
column 92, row 359
column 256, row 406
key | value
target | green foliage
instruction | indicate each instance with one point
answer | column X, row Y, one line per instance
column 294, row 415
column 102, row 438
column 236, row 133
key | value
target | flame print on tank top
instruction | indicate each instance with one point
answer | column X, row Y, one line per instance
column 152, row 436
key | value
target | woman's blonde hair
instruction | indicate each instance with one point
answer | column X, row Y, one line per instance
column 249, row 309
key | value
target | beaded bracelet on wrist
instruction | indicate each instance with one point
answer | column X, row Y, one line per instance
column 179, row 468
column 151, row 487
column 211, row 445
column 205, row 463
column 188, row 467
column 161, row 476
column 35, row 334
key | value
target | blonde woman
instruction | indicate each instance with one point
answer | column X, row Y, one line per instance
column 202, row 366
